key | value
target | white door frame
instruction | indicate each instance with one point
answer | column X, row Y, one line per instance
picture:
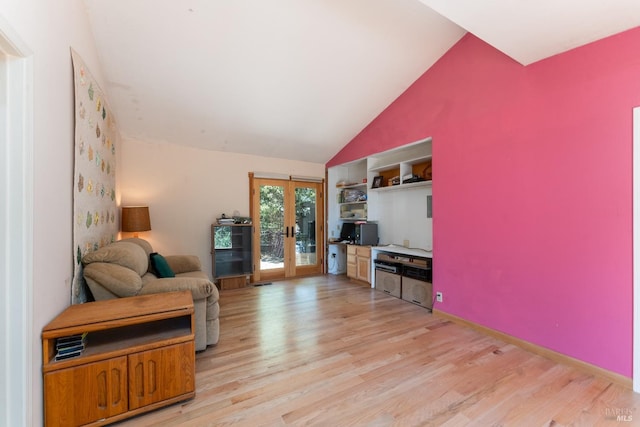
column 636, row 249
column 16, row 230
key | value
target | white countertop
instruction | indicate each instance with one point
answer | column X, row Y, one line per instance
column 404, row 251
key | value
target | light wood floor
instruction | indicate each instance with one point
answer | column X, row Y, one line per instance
column 324, row 351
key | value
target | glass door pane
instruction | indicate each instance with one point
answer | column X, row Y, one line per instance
column 271, row 227
column 305, row 226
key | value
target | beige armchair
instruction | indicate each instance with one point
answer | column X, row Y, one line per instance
column 122, row 269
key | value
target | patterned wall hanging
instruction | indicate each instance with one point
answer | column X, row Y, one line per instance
column 94, row 190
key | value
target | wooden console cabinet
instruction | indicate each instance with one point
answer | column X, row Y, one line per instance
column 359, row 263
column 139, row 356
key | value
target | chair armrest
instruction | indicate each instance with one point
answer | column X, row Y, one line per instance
column 183, row 263
column 115, row 278
column 200, row 288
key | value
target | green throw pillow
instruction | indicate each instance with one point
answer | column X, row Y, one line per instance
column 160, row 266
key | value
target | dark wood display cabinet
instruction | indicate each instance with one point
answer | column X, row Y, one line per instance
column 232, row 256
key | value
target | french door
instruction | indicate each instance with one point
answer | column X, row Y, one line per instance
column 288, row 218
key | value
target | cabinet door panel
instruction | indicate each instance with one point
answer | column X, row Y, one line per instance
column 351, row 271
column 160, row 374
column 363, row 251
column 364, row 269
column 352, row 262
column 86, row 393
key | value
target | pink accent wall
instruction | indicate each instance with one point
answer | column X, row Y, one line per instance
column 532, row 190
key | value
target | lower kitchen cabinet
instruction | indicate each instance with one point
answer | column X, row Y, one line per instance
column 359, row 263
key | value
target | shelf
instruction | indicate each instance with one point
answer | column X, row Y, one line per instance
column 228, row 262
column 418, row 151
column 140, row 320
column 109, row 343
column 353, row 203
column 417, row 160
column 397, row 249
column 385, row 167
column 403, row 186
column 396, row 165
column 358, row 185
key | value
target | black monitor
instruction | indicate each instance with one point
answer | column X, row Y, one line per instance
column 348, row 231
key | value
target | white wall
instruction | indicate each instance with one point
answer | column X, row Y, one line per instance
column 402, row 217
column 186, row 189
column 182, row 203
column 49, row 29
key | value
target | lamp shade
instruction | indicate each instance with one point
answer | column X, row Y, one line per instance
column 135, row 218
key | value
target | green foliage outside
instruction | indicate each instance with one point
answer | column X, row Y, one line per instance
column 223, row 237
column 272, row 216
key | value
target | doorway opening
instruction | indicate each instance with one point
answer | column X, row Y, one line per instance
column 16, row 231
column 288, row 218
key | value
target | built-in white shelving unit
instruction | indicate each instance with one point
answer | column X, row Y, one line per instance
column 352, row 178
column 402, row 211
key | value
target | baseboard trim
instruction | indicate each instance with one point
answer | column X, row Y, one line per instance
column 540, row 351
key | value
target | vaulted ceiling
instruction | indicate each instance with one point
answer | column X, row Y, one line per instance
column 298, row 79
